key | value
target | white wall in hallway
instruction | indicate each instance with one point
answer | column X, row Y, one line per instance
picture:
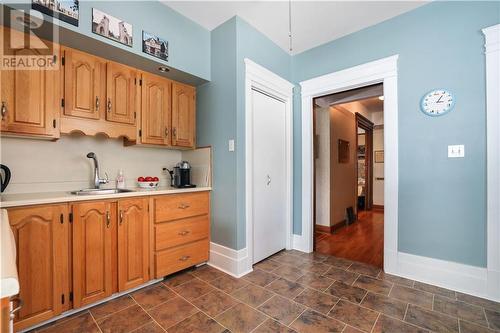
column 322, row 166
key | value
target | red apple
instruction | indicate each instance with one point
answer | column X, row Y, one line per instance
column 140, row 179
column 148, row 179
column 156, row 179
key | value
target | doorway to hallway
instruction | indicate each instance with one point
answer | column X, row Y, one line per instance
column 349, row 174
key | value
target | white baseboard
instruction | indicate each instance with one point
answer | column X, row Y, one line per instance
column 477, row 281
column 233, row 262
column 300, row 243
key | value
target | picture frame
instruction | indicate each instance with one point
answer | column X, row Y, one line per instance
column 343, row 151
column 65, row 10
column 154, row 45
column 112, row 27
column 379, row 156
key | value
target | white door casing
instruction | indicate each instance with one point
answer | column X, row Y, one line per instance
column 379, row 71
column 263, row 80
column 269, row 168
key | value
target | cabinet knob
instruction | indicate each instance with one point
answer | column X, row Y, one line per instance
column 97, row 103
column 166, row 131
column 121, row 217
column 183, row 233
column 184, row 258
column 108, row 219
column 4, row 109
column 109, row 105
column 184, row 206
column 174, row 132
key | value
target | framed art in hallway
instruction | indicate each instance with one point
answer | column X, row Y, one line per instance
column 65, row 10
column 111, row 27
column 379, row 156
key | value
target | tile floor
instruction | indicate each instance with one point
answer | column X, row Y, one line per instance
column 289, row 292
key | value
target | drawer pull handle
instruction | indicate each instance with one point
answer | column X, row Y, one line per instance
column 108, row 219
column 184, row 258
column 4, row 109
column 184, row 206
column 183, row 233
column 121, row 217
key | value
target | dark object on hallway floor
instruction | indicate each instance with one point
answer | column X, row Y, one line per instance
column 350, row 215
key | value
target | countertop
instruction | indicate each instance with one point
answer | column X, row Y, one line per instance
column 27, row 199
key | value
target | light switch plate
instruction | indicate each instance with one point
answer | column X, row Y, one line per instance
column 456, row 151
column 231, row 145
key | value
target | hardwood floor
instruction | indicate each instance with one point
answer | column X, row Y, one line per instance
column 361, row 241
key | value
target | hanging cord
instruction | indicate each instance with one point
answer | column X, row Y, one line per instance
column 290, row 23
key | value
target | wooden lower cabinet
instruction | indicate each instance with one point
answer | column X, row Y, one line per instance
column 93, row 224
column 133, row 243
column 72, row 255
column 42, row 247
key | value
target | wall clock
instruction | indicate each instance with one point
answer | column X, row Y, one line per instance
column 437, row 102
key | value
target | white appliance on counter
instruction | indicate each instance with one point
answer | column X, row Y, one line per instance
column 9, row 282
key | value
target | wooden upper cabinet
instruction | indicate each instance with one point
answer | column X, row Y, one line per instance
column 133, row 243
column 93, row 225
column 42, row 246
column 29, row 99
column 83, row 83
column 183, row 115
column 155, row 110
column 120, row 91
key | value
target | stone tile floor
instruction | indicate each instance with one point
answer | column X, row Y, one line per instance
column 289, row 292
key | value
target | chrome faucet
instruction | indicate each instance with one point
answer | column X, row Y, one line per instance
column 97, row 180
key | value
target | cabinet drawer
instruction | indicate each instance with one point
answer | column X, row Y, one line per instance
column 179, row 206
column 170, row 234
column 180, row 257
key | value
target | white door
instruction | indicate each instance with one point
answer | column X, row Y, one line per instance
column 269, row 176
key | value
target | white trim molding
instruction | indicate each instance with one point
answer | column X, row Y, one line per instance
column 262, row 79
column 232, row 262
column 492, row 53
column 379, row 71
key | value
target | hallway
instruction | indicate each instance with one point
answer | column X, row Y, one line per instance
column 361, row 241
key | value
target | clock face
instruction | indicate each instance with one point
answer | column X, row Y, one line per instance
column 437, row 102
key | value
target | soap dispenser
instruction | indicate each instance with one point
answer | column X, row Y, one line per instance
column 120, row 180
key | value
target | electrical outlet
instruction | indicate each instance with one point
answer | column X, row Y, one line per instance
column 231, row 145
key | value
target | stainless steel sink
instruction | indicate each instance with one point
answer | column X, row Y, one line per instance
column 97, row 191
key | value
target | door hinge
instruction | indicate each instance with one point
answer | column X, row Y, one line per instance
column 140, row 132
column 140, row 82
column 61, row 218
column 71, row 296
column 62, row 299
column 70, row 217
column 54, row 123
column 135, row 115
column 135, row 81
column 62, row 102
column 63, row 61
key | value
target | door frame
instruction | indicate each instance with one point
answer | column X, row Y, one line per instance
column 267, row 82
column 379, row 71
column 367, row 125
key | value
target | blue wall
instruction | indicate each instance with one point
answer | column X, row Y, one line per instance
column 442, row 202
column 189, row 43
column 221, row 116
column 216, row 124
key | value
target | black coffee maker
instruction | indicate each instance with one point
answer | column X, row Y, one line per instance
column 182, row 175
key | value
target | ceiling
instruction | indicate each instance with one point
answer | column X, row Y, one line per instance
column 313, row 22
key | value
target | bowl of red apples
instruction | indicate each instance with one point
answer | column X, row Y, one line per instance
column 148, row 182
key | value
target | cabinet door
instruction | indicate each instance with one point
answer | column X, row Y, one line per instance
column 133, row 243
column 93, row 224
column 183, row 115
column 30, row 97
column 155, row 113
column 120, row 92
column 42, row 247
column 83, row 96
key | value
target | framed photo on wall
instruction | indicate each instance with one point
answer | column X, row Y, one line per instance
column 111, row 27
column 379, row 156
column 154, row 45
column 64, row 10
